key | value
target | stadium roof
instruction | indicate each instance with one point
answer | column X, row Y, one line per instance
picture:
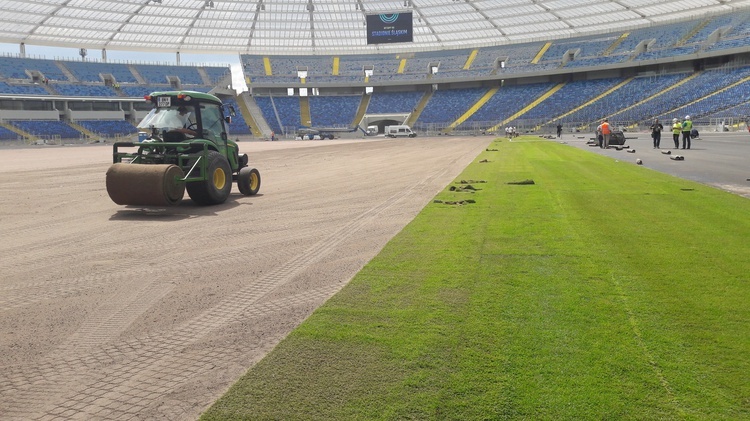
column 325, row 26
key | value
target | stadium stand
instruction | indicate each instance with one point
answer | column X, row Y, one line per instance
column 633, row 92
column 318, row 66
column 463, row 76
column 47, row 128
column 669, row 52
column 252, row 65
column 22, row 89
column 19, row 68
column 333, row 111
column 571, row 95
column 280, row 112
column 447, row 105
column 508, row 101
column 108, row 127
column 88, row 82
column 702, row 85
column 708, row 27
column 140, row 91
column 726, row 44
column 216, row 74
column 723, row 98
column 597, row 61
column 159, row 74
column 741, row 111
column 6, row 134
column 238, row 125
column 379, row 63
column 659, row 42
column 445, row 61
column 663, row 36
column 512, row 55
column 69, row 89
column 86, row 71
column 393, row 102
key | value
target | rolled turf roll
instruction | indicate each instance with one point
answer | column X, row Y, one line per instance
column 145, row 184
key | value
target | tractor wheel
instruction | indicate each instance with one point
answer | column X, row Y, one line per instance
column 218, row 184
column 248, row 181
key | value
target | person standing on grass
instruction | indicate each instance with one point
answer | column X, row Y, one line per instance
column 676, row 130
column 559, row 130
column 605, row 130
column 656, row 129
column 687, row 127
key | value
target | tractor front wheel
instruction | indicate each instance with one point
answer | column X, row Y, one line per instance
column 248, row 181
column 216, row 187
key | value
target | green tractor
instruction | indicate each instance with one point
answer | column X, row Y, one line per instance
column 186, row 147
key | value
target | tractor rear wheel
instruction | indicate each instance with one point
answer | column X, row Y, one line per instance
column 248, row 181
column 216, row 187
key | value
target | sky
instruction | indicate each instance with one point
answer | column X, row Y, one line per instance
column 52, row 53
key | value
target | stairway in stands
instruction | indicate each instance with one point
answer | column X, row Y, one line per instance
column 477, row 105
column 414, row 116
column 28, row 137
column 253, row 115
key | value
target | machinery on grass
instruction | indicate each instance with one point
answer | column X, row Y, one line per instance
column 186, row 147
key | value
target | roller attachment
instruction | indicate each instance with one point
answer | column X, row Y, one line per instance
column 145, row 184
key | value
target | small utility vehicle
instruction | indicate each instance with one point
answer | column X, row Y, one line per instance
column 187, row 147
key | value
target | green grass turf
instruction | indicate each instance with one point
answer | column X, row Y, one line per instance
column 604, row 291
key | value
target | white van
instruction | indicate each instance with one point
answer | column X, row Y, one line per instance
column 371, row 130
column 399, row 131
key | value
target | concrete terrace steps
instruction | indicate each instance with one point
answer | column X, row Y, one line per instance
column 253, row 115
column 414, row 116
column 83, row 130
column 305, row 117
column 361, row 110
column 615, row 44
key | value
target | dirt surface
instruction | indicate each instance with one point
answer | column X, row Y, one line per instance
column 117, row 313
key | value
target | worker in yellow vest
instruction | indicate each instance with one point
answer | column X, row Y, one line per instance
column 687, row 127
column 676, row 130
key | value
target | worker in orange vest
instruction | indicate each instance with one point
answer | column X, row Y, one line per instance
column 605, row 130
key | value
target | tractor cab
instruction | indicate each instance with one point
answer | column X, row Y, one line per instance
column 180, row 116
column 173, row 124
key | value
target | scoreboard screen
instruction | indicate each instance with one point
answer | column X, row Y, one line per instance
column 388, row 28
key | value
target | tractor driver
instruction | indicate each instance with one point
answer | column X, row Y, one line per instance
column 184, row 116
